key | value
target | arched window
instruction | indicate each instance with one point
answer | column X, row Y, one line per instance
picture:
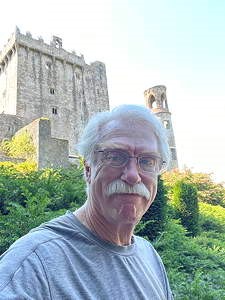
column 163, row 101
column 166, row 124
column 54, row 111
column 152, row 102
column 48, row 65
column 52, row 91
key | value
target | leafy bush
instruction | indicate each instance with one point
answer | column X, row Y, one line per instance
column 21, row 146
column 154, row 220
column 21, row 219
column 185, row 201
column 212, row 217
column 208, row 191
column 195, row 270
column 62, row 187
column 195, row 266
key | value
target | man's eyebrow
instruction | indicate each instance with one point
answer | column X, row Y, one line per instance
column 113, row 146
column 118, row 146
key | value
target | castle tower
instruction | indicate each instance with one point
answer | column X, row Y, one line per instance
column 44, row 80
column 156, row 100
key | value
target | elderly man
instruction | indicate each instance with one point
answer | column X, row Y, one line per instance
column 93, row 252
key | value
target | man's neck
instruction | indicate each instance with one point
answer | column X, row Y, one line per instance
column 119, row 235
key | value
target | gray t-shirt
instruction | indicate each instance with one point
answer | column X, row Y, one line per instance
column 62, row 259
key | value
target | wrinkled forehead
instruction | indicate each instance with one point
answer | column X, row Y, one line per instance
column 126, row 128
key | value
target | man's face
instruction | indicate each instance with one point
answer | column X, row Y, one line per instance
column 122, row 208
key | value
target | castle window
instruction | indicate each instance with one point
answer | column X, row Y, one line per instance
column 98, row 92
column 77, row 75
column 166, row 124
column 54, row 111
column 152, row 102
column 52, row 91
column 48, row 65
column 163, row 100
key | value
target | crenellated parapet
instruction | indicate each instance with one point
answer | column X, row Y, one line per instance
column 54, row 49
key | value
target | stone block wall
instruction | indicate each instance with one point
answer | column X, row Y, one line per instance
column 44, row 80
column 50, row 152
column 9, row 125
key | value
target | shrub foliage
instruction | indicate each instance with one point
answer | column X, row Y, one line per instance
column 195, row 266
column 208, row 191
column 154, row 220
column 185, row 201
column 21, row 146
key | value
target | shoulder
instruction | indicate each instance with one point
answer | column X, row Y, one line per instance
column 148, row 252
column 143, row 244
column 23, row 257
column 151, row 257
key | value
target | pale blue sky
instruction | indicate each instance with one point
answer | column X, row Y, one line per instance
column 144, row 43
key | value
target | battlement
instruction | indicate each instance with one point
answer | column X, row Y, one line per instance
column 54, row 49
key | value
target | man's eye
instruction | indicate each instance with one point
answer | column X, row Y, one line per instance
column 147, row 161
column 114, row 158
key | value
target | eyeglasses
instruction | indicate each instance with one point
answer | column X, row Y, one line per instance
column 118, row 158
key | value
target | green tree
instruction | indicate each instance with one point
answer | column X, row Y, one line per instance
column 154, row 220
column 185, row 201
column 208, row 190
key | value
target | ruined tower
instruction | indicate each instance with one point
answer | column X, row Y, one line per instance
column 156, row 100
column 44, row 80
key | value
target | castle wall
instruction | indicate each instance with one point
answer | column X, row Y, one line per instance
column 59, row 85
column 4, row 158
column 50, row 152
column 8, row 83
column 9, row 125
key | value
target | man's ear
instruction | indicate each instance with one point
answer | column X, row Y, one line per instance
column 87, row 171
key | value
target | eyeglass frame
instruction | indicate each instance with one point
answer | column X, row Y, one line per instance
column 160, row 166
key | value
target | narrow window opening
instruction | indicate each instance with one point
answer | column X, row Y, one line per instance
column 54, row 111
column 152, row 102
column 166, row 124
column 52, row 91
column 48, row 65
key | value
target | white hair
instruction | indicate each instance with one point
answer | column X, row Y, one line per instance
column 92, row 134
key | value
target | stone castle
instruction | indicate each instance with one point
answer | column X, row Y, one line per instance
column 41, row 80
column 52, row 93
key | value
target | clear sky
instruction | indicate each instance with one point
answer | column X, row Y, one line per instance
column 143, row 43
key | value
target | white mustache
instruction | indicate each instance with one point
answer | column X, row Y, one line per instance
column 120, row 187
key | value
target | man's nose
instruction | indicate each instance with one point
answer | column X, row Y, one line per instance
column 131, row 172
